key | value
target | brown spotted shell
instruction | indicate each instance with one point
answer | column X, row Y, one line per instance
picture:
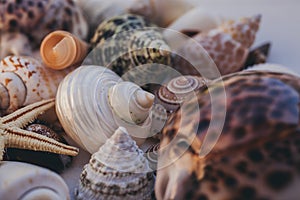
column 38, row 18
column 257, row 154
column 227, row 45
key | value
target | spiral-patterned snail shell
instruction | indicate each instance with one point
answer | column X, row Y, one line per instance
column 93, row 101
column 131, row 47
column 118, row 170
column 24, row 80
column 26, row 181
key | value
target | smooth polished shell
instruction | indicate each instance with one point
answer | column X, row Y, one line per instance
column 257, row 154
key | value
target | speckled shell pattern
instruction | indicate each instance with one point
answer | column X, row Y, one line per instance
column 257, row 154
column 227, row 45
column 127, row 41
column 85, row 107
column 24, row 80
column 117, row 171
column 38, row 18
column 26, row 181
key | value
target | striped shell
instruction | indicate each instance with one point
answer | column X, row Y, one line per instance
column 256, row 154
column 93, row 101
column 23, row 80
column 38, row 18
column 26, row 181
column 118, row 170
column 123, row 43
column 227, row 45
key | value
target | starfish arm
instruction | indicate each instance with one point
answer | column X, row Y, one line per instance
column 22, row 139
column 24, row 116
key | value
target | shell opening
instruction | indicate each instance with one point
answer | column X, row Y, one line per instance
column 41, row 193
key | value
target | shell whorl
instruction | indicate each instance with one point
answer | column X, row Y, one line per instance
column 24, row 80
column 118, row 170
column 93, row 101
column 26, row 181
column 61, row 49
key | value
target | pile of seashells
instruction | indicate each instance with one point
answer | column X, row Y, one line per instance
column 115, row 77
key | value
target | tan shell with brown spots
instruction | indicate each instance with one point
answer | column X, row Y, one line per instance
column 257, row 153
column 37, row 18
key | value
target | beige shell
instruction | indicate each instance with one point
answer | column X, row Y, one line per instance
column 118, row 170
column 35, row 19
column 27, row 182
column 227, row 46
column 61, row 49
column 93, row 101
column 23, row 80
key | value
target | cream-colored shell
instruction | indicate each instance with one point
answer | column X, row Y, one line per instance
column 118, row 170
column 27, row 182
column 24, row 80
column 93, row 101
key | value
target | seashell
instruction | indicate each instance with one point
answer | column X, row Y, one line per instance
column 52, row 161
column 26, row 181
column 14, row 44
column 118, row 170
column 128, row 46
column 258, row 55
column 160, row 12
column 196, row 156
column 61, row 49
column 152, row 154
column 24, row 81
column 186, row 24
column 36, row 19
column 226, row 45
column 93, row 101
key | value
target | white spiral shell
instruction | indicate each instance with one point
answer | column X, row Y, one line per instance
column 26, row 182
column 118, row 170
column 92, row 102
column 24, row 80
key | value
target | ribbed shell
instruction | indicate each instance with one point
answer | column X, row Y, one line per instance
column 117, row 171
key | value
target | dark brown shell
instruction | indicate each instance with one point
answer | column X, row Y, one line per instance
column 257, row 154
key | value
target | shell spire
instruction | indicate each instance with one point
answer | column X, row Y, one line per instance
column 117, row 171
column 61, row 49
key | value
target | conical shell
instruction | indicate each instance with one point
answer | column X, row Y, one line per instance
column 61, row 49
column 226, row 46
column 38, row 18
column 24, row 80
column 93, row 101
column 26, row 181
column 118, row 170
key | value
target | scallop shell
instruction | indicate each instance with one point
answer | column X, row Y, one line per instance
column 61, row 49
column 36, row 19
column 23, row 80
column 26, row 181
column 118, row 170
column 226, row 45
column 92, row 102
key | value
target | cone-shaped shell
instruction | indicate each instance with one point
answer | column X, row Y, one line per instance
column 93, row 101
column 38, row 18
column 26, row 181
column 118, row 170
column 61, row 49
column 227, row 47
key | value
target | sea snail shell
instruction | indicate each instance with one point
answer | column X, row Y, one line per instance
column 26, row 182
column 92, row 102
column 118, row 170
column 24, row 80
